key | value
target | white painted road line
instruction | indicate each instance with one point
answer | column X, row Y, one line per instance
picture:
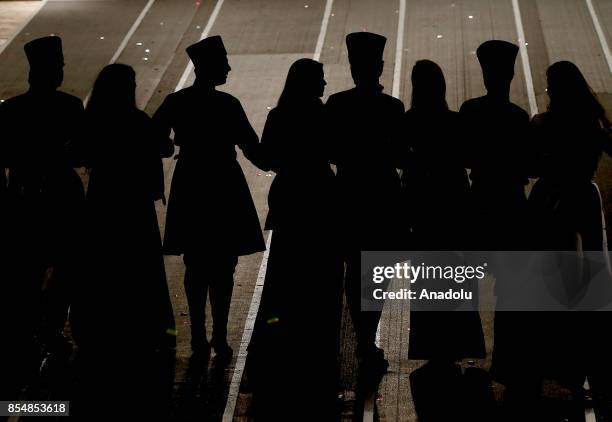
column 10, row 40
column 130, row 33
column 369, row 408
column 323, row 30
column 399, row 49
column 589, row 414
column 127, row 38
column 249, row 325
column 518, row 20
column 600, row 34
column 205, row 32
column 370, row 401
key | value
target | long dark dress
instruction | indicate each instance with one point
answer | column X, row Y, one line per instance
column 124, row 295
column 564, row 202
column 210, row 206
column 433, row 178
column 299, row 316
column 497, row 152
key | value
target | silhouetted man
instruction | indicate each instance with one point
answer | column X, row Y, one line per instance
column 497, row 153
column 18, row 304
column 40, row 128
column 496, row 142
column 211, row 216
column 362, row 122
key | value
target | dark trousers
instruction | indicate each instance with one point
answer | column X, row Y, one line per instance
column 365, row 323
column 214, row 274
column 55, row 301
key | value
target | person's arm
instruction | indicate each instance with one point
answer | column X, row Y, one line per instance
column 331, row 133
column 78, row 144
column 270, row 143
column 397, row 134
column 536, row 156
column 162, row 125
column 4, row 147
column 247, row 140
column 152, row 159
column 466, row 138
column 606, row 143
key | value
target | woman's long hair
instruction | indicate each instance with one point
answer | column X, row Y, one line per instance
column 113, row 91
column 304, row 83
column 572, row 97
column 428, row 86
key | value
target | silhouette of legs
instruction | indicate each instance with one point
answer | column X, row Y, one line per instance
column 196, row 290
column 55, row 302
column 218, row 278
column 364, row 323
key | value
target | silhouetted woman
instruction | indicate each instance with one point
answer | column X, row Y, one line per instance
column 436, row 189
column 434, row 173
column 299, row 316
column 570, row 138
column 123, row 298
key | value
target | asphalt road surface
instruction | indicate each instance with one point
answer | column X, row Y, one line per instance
column 263, row 37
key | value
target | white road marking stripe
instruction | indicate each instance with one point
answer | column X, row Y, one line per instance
column 205, row 32
column 133, row 29
column 600, row 34
column 323, row 30
column 10, row 40
column 399, row 49
column 249, row 325
column 369, row 402
column 397, row 77
column 368, row 408
column 589, row 414
column 518, row 20
column 127, row 38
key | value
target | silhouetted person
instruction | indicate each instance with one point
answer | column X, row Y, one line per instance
column 39, row 130
column 433, row 178
column 362, row 123
column 433, row 163
column 498, row 155
column 124, row 282
column 19, row 307
column 570, row 138
column 495, row 138
column 211, row 216
column 301, row 327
